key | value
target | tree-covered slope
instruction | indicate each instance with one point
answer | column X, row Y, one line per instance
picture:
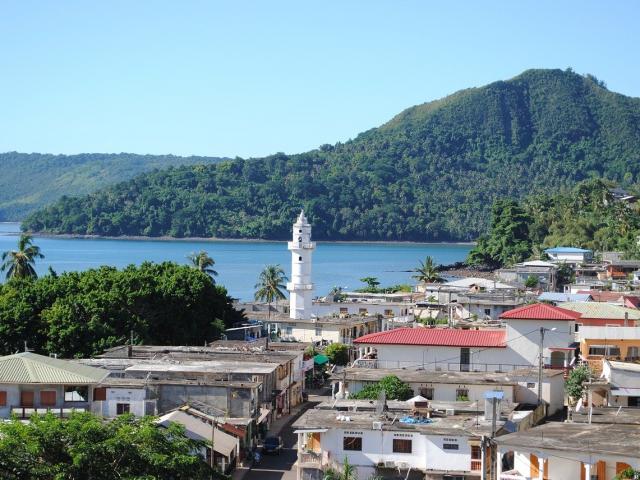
column 431, row 173
column 31, row 181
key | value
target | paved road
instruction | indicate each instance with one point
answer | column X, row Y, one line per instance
column 280, row 467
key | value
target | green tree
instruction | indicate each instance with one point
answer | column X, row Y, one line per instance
column 427, row 272
column 628, row 474
column 204, row 263
column 574, row 384
column 83, row 447
column 394, row 388
column 372, row 285
column 270, row 286
column 83, row 313
column 348, row 472
column 338, row 353
column 531, row 282
column 20, row 263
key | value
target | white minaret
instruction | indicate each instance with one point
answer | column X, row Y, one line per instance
column 300, row 287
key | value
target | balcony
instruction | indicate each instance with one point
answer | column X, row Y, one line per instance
column 476, row 465
column 300, row 286
column 310, row 459
column 301, row 245
column 26, row 412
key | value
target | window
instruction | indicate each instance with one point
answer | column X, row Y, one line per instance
column 344, row 310
column 427, row 393
column 462, row 394
column 352, row 444
column 99, row 394
column 577, row 327
column 3, row 398
column 48, row 398
column 288, row 330
column 362, row 311
column 401, row 445
column 122, row 408
column 475, row 452
column 487, row 311
column 299, row 259
column 388, row 312
column 450, row 446
column 76, row 394
column 604, row 350
column 318, row 331
column 299, row 239
column 531, row 385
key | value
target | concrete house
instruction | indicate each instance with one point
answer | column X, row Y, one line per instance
column 32, row 383
column 624, row 383
column 570, row 255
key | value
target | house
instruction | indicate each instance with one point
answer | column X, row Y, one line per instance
column 569, row 255
column 568, row 451
column 545, row 274
column 116, row 396
column 32, row 383
column 417, row 442
column 598, row 343
column 497, row 349
column 340, row 328
column 518, row 386
column 622, row 269
column 624, row 383
column 198, row 426
column 603, row 314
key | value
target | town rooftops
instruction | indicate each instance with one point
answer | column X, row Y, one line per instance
column 180, row 353
column 626, row 366
column 426, row 376
column 196, row 429
column 28, row 367
column 567, row 250
column 466, row 283
column 540, row 311
column 602, row 310
column 581, row 438
column 436, row 337
column 564, row 297
column 322, row 420
column 601, row 296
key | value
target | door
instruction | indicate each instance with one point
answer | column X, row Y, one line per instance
column 557, row 359
column 26, row 399
column 465, row 359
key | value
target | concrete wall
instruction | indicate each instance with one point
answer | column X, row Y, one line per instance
column 13, row 397
column 238, row 402
column 377, row 446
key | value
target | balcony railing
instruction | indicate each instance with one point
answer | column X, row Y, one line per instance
column 302, row 245
column 27, row 412
column 310, row 458
column 440, row 366
column 476, row 465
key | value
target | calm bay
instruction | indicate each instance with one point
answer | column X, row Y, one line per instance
column 239, row 262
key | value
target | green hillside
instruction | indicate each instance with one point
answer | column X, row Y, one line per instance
column 431, row 173
column 31, row 181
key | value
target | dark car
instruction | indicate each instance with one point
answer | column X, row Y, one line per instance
column 272, row 445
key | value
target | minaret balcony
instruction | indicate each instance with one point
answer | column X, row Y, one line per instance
column 301, row 245
column 299, row 286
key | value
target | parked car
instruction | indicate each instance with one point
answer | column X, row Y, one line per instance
column 272, row 445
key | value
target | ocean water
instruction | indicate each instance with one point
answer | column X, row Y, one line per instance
column 238, row 263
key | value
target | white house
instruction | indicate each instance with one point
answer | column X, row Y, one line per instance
column 624, row 383
column 570, row 255
column 418, row 444
column 500, row 349
column 568, row 451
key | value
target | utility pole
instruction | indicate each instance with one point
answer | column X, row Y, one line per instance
column 540, row 365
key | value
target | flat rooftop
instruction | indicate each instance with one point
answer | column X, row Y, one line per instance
column 468, row 425
column 398, row 406
column 578, row 438
column 186, row 366
column 425, row 376
column 158, row 352
column 625, row 416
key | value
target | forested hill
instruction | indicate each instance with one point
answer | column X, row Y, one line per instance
column 31, row 181
column 431, row 173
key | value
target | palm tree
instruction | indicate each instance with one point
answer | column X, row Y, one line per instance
column 203, row 262
column 271, row 282
column 427, row 272
column 20, row 263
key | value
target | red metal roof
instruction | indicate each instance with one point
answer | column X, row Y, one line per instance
column 540, row 311
column 437, row 337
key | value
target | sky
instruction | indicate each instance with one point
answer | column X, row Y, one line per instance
column 251, row 78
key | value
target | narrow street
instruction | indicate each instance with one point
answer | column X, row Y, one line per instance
column 280, row 467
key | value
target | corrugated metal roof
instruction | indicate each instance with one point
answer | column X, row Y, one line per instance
column 28, row 367
column 437, row 337
column 601, row 310
column 196, row 429
column 540, row 311
column 564, row 297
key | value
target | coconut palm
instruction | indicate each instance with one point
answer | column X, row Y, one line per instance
column 270, row 286
column 20, row 263
column 203, row 262
column 427, row 272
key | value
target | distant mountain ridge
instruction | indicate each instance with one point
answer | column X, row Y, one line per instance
column 29, row 181
column 429, row 174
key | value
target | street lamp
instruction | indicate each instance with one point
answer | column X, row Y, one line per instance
column 541, row 360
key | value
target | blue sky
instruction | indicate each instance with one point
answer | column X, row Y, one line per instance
column 250, row 78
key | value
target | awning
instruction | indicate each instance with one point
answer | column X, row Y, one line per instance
column 264, row 413
column 320, row 359
column 625, row 392
column 312, row 430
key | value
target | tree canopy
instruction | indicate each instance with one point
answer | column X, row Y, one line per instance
column 430, row 173
column 394, row 388
column 82, row 313
column 84, row 447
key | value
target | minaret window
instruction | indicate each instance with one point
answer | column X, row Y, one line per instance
column 299, row 259
column 299, row 239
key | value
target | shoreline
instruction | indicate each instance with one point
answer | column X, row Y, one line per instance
column 217, row 239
